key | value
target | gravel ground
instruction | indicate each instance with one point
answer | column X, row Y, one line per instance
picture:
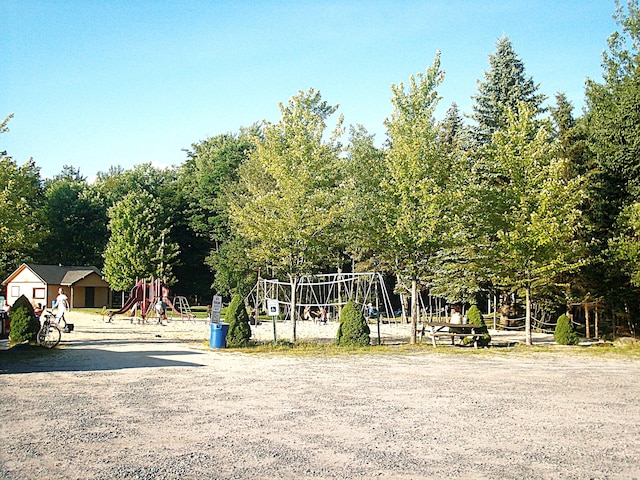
column 126, row 401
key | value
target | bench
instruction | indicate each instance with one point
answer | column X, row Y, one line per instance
column 437, row 330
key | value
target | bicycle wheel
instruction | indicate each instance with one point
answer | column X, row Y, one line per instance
column 49, row 336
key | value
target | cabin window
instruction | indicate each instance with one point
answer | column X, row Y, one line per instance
column 38, row 293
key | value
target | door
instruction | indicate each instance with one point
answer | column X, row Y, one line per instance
column 89, row 296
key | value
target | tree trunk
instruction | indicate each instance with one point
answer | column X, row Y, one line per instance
column 294, row 314
column 414, row 311
column 613, row 324
column 527, row 321
column 504, row 310
column 403, row 301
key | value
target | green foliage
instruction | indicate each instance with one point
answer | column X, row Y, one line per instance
column 474, row 317
column 530, row 215
column 234, row 270
column 139, row 245
column 413, row 201
column 612, row 122
column 626, row 247
column 206, row 177
column 564, row 334
column 76, row 221
column 364, row 171
column 20, row 213
column 206, row 181
column 239, row 329
column 288, row 207
column 353, row 329
column 504, row 88
column 24, row 325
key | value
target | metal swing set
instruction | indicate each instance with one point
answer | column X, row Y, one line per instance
column 327, row 293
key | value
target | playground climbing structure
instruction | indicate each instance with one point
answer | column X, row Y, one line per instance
column 150, row 298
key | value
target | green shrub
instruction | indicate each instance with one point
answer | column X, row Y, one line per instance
column 239, row 330
column 353, row 329
column 24, row 324
column 474, row 317
column 564, row 333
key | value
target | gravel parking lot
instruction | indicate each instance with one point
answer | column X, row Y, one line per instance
column 126, row 401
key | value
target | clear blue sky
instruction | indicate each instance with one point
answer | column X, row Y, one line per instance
column 96, row 83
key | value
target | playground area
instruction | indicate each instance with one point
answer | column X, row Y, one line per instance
column 149, row 301
column 196, row 330
column 149, row 401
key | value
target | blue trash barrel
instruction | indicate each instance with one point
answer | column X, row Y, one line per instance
column 218, row 337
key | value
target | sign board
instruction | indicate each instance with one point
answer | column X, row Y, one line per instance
column 215, row 317
column 273, row 307
column 216, row 305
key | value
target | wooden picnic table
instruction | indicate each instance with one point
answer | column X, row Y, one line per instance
column 452, row 330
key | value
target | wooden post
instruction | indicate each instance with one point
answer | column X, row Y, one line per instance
column 257, row 305
column 414, row 310
column 527, row 326
column 495, row 311
column 586, row 320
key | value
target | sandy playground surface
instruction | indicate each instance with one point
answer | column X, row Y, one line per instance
column 127, row 401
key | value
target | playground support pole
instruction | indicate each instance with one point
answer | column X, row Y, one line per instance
column 275, row 338
column 376, row 279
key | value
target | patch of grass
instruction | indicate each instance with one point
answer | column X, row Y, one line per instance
column 309, row 348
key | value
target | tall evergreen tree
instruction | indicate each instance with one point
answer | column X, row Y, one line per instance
column 612, row 120
column 571, row 135
column 453, row 133
column 505, row 86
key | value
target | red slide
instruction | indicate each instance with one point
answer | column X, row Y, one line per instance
column 135, row 297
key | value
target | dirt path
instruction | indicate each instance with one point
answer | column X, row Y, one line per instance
column 123, row 401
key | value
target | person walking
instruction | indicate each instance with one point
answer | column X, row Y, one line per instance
column 62, row 303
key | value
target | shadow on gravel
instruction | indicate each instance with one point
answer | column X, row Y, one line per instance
column 34, row 359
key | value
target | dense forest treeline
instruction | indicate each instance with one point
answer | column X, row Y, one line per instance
column 518, row 196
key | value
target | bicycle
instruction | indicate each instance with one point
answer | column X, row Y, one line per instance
column 49, row 334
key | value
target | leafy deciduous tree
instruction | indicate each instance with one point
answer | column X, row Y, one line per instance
column 138, row 246
column 20, row 214
column 533, row 209
column 76, row 221
column 411, row 214
column 287, row 207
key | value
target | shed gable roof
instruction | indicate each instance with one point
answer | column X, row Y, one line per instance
column 57, row 274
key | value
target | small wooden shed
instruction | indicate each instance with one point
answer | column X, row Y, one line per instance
column 85, row 286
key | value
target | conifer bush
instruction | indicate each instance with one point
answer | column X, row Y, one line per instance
column 564, row 333
column 474, row 317
column 24, row 324
column 239, row 330
column 353, row 329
